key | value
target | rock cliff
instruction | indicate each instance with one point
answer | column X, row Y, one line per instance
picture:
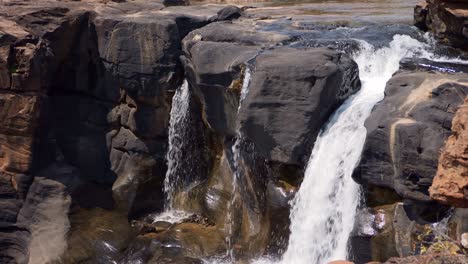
column 450, row 185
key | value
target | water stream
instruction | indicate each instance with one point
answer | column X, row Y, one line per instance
column 178, row 130
column 237, row 173
column 324, row 209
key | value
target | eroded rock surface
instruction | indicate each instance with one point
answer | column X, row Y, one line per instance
column 407, row 130
column 450, row 185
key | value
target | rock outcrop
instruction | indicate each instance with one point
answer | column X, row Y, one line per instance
column 301, row 86
column 450, row 186
column 407, row 130
column 245, row 84
column 447, row 19
column 84, row 106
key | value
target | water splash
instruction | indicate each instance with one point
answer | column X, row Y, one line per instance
column 179, row 120
column 171, row 216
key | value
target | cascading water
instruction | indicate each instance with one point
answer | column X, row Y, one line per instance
column 236, row 173
column 179, row 119
column 324, row 209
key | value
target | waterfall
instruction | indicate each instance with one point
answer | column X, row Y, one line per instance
column 178, row 122
column 236, row 154
column 324, row 209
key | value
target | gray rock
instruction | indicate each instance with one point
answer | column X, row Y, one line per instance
column 406, row 131
column 301, row 86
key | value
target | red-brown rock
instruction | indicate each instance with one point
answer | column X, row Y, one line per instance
column 450, row 186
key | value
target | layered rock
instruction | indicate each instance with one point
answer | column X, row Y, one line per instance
column 447, row 19
column 245, row 86
column 407, row 130
column 85, row 100
column 450, row 186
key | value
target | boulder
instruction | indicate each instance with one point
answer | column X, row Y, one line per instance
column 301, row 86
column 450, row 185
column 406, row 131
column 215, row 66
column 447, row 19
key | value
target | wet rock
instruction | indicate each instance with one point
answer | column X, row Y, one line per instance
column 404, row 229
column 193, row 240
column 76, row 90
column 447, row 19
column 450, row 185
column 96, row 236
column 412, row 64
column 407, row 130
column 216, row 57
column 420, row 15
column 430, row 258
column 160, row 226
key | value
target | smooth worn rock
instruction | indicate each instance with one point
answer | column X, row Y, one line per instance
column 450, row 185
column 301, row 86
column 406, row 131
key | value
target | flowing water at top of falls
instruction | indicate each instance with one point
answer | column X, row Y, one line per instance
column 324, row 209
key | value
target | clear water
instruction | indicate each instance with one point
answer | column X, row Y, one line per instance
column 178, row 122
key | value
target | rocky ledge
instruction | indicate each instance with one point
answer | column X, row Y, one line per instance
column 86, row 92
column 447, row 19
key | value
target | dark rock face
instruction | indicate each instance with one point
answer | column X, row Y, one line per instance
column 407, row 130
column 220, row 60
column 447, row 19
column 301, row 86
column 86, row 86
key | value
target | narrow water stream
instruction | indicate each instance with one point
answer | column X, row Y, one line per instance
column 324, row 209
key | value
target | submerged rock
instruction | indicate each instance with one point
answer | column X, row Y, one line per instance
column 303, row 87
